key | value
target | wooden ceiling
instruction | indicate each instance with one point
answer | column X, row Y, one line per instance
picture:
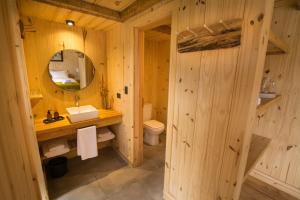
column 56, row 14
column 117, row 5
column 159, row 33
column 93, row 14
column 60, row 14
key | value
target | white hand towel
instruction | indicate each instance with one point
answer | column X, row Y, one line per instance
column 87, row 142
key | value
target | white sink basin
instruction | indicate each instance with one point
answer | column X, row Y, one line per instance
column 82, row 113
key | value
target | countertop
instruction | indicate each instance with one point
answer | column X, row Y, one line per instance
column 65, row 127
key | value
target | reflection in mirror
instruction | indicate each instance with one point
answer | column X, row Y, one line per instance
column 71, row 70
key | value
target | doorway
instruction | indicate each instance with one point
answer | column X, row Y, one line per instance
column 151, row 79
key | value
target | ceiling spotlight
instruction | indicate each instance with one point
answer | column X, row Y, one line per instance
column 70, row 22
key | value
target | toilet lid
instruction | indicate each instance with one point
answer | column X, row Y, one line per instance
column 154, row 124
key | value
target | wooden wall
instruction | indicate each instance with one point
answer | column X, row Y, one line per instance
column 212, row 96
column 213, row 99
column 281, row 161
column 21, row 172
column 116, row 71
column 121, row 67
column 156, row 77
column 47, row 38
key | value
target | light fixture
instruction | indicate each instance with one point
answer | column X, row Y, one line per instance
column 70, row 22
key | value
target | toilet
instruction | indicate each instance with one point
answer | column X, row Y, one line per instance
column 152, row 128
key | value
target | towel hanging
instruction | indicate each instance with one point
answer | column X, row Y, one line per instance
column 87, row 142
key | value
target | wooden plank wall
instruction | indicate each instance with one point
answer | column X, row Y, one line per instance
column 120, row 67
column 48, row 38
column 281, row 161
column 22, row 176
column 116, row 82
column 212, row 97
column 202, row 99
column 156, row 77
column 213, row 101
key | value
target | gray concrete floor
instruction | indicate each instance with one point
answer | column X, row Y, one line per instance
column 108, row 177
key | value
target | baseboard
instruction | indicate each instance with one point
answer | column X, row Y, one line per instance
column 121, row 155
column 276, row 183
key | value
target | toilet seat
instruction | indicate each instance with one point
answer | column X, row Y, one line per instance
column 153, row 124
column 152, row 130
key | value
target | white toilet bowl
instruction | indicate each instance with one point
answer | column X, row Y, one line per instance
column 152, row 130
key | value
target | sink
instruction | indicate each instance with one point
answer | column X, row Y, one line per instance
column 82, row 113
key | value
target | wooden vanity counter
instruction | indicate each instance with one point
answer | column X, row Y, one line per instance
column 65, row 127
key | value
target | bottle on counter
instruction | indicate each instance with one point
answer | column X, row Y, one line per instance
column 49, row 115
column 56, row 115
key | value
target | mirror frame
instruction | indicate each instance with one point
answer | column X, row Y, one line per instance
column 61, row 60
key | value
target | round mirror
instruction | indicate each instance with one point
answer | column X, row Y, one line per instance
column 71, row 70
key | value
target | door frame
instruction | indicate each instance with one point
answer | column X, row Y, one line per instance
column 138, row 101
column 138, row 136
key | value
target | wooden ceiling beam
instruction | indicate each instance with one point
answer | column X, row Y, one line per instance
column 287, row 3
column 85, row 7
column 166, row 29
column 137, row 7
column 96, row 10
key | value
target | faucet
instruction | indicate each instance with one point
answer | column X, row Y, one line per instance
column 76, row 100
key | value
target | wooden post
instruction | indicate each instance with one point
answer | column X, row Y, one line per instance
column 138, row 96
column 20, row 163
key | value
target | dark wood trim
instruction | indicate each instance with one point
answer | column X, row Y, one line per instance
column 287, row 3
column 85, row 7
column 99, row 11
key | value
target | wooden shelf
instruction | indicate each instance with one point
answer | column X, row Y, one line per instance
column 223, row 34
column 276, row 45
column 255, row 188
column 73, row 151
column 65, row 128
column 257, row 147
column 266, row 104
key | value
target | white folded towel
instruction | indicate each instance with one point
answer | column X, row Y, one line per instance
column 57, row 145
column 54, row 153
column 104, row 134
column 103, row 130
column 55, row 148
column 87, row 142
